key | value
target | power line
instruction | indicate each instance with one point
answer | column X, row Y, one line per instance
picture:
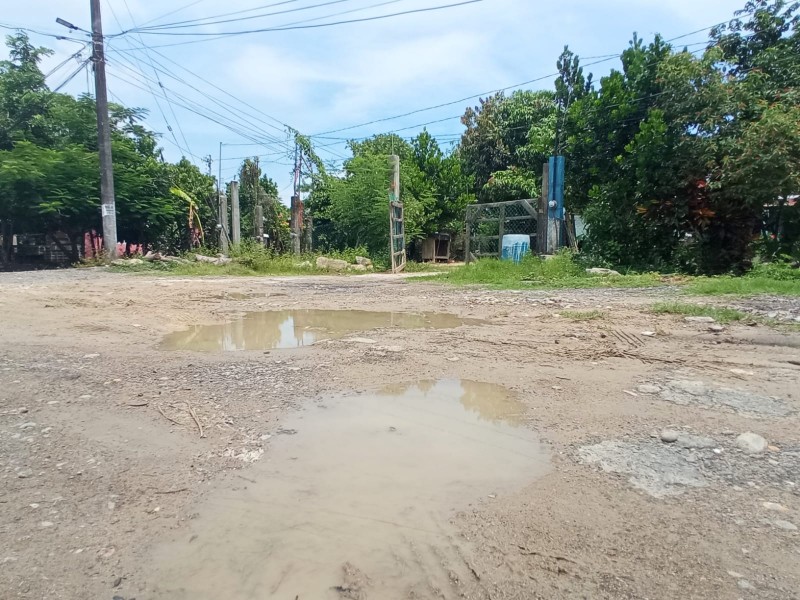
column 600, row 60
column 161, row 85
column 237, row 122
column 242, row 129
column 169, row 73
column 153, row 94
column 188, row 24
column 316, row 26
column 238, row 12
column 72, row 75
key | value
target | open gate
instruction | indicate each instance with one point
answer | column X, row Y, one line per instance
column 397, row 227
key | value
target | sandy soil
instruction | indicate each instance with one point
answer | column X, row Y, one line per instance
column 104, row 470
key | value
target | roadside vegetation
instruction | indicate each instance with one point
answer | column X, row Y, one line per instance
column 720, row 314
column 680, row 162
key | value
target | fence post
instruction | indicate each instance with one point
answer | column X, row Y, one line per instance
column 258, row 221
column 469, row 236
column 236, row 216
column 223, row 222
column 541, row 222
column 501, row 231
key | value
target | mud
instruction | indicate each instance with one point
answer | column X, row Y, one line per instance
column 334, row 470
column 366, row 482
column 269, row 330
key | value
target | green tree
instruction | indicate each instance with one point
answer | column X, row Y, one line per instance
column 506, row 142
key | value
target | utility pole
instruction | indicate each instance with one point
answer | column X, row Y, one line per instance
column 223, row 223
column 297, row 206
column 236, row 217
column 108, row 204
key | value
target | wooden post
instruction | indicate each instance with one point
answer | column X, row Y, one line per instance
column 467, row 256
column 258, row 223
column 308, row 234
column 223, row 223
column 501, row 231
column 541, row 224
column 236, row 216
column 297, row 224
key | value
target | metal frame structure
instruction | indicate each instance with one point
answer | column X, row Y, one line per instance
column 488, row 223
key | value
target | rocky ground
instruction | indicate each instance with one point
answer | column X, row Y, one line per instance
column 675, row 455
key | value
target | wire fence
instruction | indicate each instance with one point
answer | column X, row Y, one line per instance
column 488, row 223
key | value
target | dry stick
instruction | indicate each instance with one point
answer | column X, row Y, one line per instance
column 163, row 414
column 173, row 491
column 194, row 416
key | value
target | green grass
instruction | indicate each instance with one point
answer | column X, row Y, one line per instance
column 582, row 315
column 720, row 314
column 779, row 278
column 743, row 286
column 533, row 272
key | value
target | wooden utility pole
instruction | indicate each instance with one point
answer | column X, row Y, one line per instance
column 297, row 206
column 108, row 204
column 258, row 223
column 236, row 216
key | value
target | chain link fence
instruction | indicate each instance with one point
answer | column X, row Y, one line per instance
column 488, row 223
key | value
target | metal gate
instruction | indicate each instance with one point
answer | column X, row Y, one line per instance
column 488, row 223
column 397, row 226
column 398, row 235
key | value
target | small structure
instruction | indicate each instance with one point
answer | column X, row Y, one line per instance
column 436, row 248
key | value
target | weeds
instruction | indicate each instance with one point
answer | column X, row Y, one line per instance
column 560, row 271
column 720, row 314
column 582, row 315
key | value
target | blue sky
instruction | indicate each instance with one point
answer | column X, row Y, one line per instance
column 318, row 80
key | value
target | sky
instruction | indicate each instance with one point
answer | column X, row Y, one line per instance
column 329, row 79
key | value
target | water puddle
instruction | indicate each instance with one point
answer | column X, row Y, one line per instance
column 354, row 499
column 269, row 330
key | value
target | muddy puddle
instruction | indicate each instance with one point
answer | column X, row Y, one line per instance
column 270, row 330
column 354, row 499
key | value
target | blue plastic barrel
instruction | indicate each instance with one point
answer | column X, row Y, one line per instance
column 515, row 247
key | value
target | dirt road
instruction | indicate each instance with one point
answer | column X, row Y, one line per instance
column 165, row 438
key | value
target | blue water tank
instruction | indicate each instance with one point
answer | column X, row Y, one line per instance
column 515, row 247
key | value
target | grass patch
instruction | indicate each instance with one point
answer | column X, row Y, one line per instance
column 247, row 260
column 780, row 278
column 720, row 314
column 748, row 285
column 537, row 273
column 582, row 315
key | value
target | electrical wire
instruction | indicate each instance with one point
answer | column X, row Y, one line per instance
column 270, row 139
column 316, row 26
column 169, row 73
column 230, row 14
column 240, row 127
column 601, row 60
column 248, row 18
column 184, row 149
column 72, row 75
column 160, row 85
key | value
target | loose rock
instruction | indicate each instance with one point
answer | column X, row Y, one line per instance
column 785, row 525
column 331, row 264
column 604, row 272
column 24, row 473
column 751, row 443
column 775, row 507
column 700, row 320
column 649, row 389
column 669, row 436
